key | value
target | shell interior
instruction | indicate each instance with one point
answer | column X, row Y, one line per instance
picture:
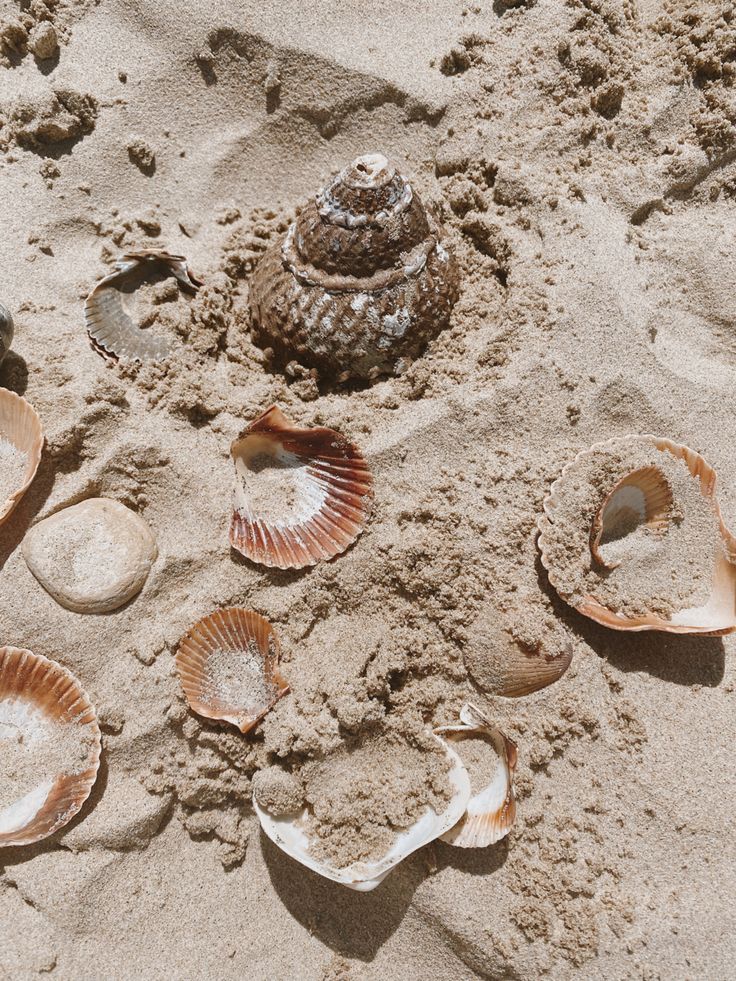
column 290, row 835
column 20, row 429
column 301, row 495
column 642, row 497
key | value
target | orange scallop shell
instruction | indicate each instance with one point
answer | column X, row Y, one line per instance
column 21, row 426
column 232, row 629
column 50, row 690
column 335, row 487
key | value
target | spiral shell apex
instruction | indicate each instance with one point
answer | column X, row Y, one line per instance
column 361, row 281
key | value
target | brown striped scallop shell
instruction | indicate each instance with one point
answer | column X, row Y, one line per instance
column 301, row 496
column 362, row 280
column 20, row 430
column 38, row 695
column 112, row 331
column 228, row 667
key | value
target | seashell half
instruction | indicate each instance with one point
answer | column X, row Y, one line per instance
column 111, row 329
column 491, row 810
column 290, row 835
column 641, row 497
column 715, row 617
column 43, row 709
column 21, row 445
column 228, row 667
column 6, row 331
column 301, row 495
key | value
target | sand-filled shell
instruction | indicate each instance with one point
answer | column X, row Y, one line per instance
column 290, row 834
column 301, row 495
column 491, row 810
column 657, row 514
column 363, row 279
column 112, row 331
column 92, row 557
column 228, row 667
column 21, row 445
column 49, row 731
column 6, row 331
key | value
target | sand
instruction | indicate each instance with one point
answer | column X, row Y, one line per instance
column 13, row 463
column 582, row 159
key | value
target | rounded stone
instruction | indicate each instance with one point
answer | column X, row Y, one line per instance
column 92, row 557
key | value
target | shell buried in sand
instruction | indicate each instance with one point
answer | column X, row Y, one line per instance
column 632, row 536
column 301, row 495
column 49, row 746
column 21, row 445
column 290, row 833
column 228, row 667
column 490, row 758
column 6, row 331
column 92, row 557
column 112, row 331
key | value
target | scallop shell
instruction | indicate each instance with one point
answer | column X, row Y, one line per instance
column 112, row 331
column 21, row 427
column 362, row 280
column 491, row 811
column 35, row 691
column 6, row 331
column 643, row 496
column 290, row 835
column 328, row 479
column 718, row 615
column 239, row 631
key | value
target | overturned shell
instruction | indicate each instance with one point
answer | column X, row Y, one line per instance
column 228, row 667
column 37, row 696
column 6, row 331
column 362, row 280
column 290, row 835
column 301, row 495
column 21, row 444
column 641, row 497
column 112, row 331
column 715, row 617
column 491, row 810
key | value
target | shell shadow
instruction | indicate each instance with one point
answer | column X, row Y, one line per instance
column 14, row 529
column 473, row 861
column 14, row 373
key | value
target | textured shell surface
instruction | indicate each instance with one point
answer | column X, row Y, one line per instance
column 362, row 280
column 290, row 834
column 112, row 331
column 21, row 437
column 36, row 695
column 6, row 331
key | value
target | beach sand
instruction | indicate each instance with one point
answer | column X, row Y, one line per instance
column 582, row 157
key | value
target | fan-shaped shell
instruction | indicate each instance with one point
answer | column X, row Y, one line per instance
column 38, row 695
column 321, row 490
column 290, row 834
column 21, row 436
column 643, row 496
column 112, row 331
column 491, row 810
column 361, row 281
column 718, row 615
column 6, row 331
column 228, row 667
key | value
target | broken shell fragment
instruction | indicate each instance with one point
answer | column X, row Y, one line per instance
column 713, row 615
column 290, row 834
column 92, row 557
column 228, row 667
column 301, row 495
column 6, row 331
column 21, row 444
column 112, row 331
column 491, row 809
column 363, row 279
column 49, row 746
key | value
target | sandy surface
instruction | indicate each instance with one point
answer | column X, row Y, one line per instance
column 583, row 157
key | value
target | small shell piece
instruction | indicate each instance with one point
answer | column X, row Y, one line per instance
column 228, row 667
column 718, row 615
column 641, row 497
column 290, row 835
column 492, row 810
column 35, row 695
column 323, row 493
column 6, row 331
column 20, row 432
column 111, row 329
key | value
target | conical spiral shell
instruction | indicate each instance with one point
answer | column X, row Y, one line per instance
column 236, row 634
column 330, row 483
column 21, row 427
column 362, row 279
column 35, row 691
column 112, row 331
